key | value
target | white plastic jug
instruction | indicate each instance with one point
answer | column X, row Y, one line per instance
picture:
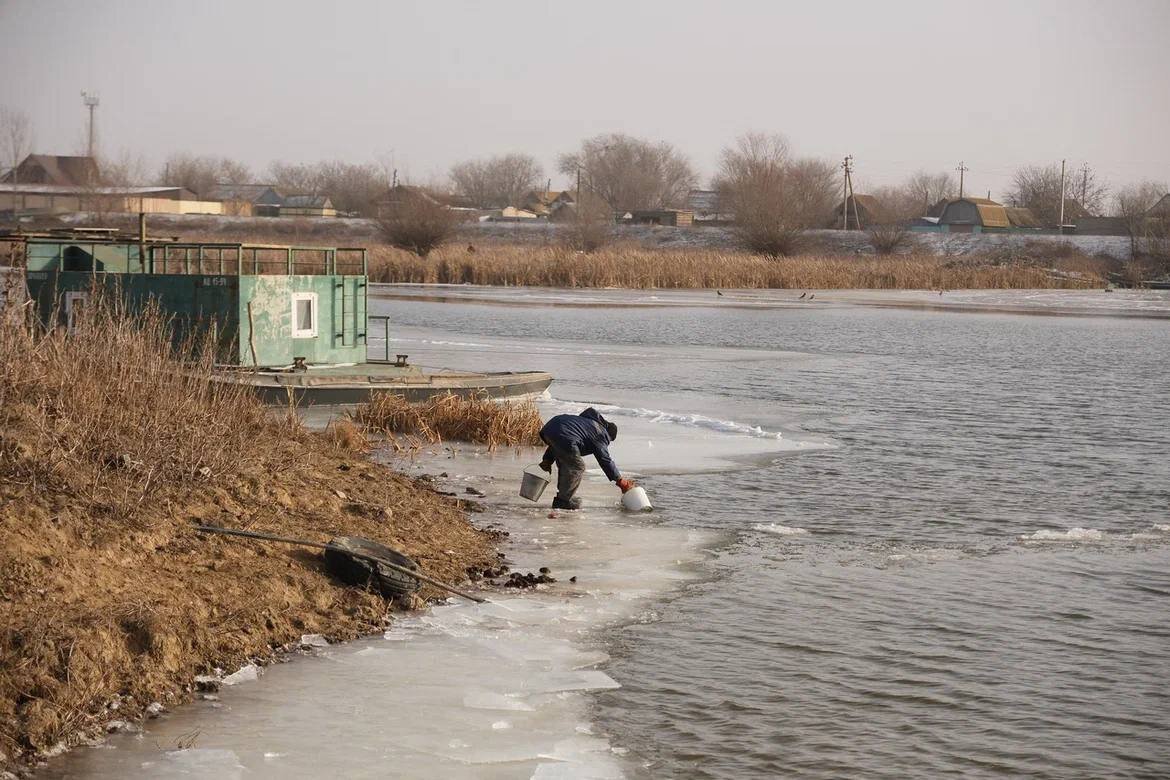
column 636, row 500
column 535, row 481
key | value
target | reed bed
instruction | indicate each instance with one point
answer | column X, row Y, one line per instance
column 1031, row 265
column 114, row 396
column 637, row 268
column 477, row 420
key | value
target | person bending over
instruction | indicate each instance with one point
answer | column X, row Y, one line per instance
column 571, row 436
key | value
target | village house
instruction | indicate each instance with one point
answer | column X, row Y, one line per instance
column 858, row 212
column 49, row 199
column 708, row 208
column 247, row 200
column 543, row 202
column 54, row 169
column 307, row 206
column 661, row 217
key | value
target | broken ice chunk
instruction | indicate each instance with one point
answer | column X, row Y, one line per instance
column 243, row 674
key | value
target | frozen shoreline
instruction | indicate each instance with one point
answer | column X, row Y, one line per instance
column 1150, row 304
column 494, row 690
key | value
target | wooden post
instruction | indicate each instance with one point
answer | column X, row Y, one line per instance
column 251, row 336
column 141, row 240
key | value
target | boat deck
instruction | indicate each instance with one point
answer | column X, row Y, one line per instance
column 358, row 383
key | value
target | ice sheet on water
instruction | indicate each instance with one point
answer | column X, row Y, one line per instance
column 780, row 530
column 483, row 699
column 563, row 770
column 373, row 651
column 243, row 674
column 579, row 680
column 579, row 757
column 689, row 420
column 517, row 747
column 586, row 659
column 198, row 762
column 1070, row 535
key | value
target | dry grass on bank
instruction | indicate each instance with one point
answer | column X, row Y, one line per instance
column 109, row 452
column 450, row 418
column 625, row 267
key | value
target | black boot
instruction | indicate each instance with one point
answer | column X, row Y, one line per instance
column 572, row 503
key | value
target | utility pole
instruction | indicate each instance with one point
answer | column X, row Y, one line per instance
column 1084, row 184
column 847, row 166
column 1060, row 229
column 91, row 102
column 962, row 169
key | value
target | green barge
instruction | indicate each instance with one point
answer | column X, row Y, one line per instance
column 291, row 322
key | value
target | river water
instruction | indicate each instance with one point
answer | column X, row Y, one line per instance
column 887, row 542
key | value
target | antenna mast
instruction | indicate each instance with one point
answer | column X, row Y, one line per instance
column 91, row 102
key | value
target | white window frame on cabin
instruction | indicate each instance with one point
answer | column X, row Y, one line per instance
column 302, row 333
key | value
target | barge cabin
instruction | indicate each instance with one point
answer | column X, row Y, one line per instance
column 266, row 306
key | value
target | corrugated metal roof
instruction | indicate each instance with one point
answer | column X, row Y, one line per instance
column 1021, row 217
column 72, row 189
column 249, row 193
column 60, row 169
column 991, row 214
column 307, row 202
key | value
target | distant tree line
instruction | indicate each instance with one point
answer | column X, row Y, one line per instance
column 774, row 194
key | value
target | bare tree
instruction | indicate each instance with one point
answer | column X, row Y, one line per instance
column 590, row 225
column 416, row 222
column 353, row 187
column 923, row 190
column 774, row 197
column 1038, row 188
column 496, row 182
column 631, row 173
column 201, row 174
column 16, row 138
column 125, row 170
column 1147, row 233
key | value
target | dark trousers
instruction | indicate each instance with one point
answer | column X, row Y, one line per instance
column 570, row 470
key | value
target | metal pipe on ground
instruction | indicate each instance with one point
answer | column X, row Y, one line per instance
column 211, row 529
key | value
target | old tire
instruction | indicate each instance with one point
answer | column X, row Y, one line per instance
column 345, row 559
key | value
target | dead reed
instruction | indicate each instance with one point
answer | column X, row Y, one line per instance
column 114, row 396
column 637, row 268
column 1034, row 265
column 347, row 436
column 478, row 420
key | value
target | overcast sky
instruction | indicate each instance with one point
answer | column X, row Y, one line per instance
column 900, row 85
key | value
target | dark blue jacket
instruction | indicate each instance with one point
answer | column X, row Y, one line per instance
column 583, row 434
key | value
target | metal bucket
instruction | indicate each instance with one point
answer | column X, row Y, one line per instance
column 636, row 500
column 535, row 481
